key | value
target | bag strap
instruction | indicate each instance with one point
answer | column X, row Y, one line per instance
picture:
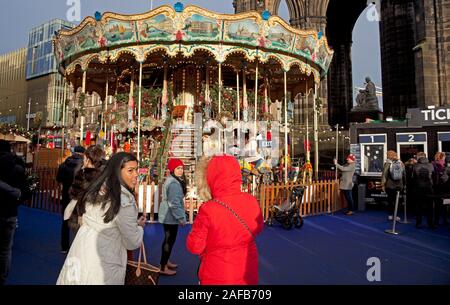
column 142, row 253
column 235, row 215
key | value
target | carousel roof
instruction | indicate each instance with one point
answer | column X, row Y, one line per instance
column 186, row 30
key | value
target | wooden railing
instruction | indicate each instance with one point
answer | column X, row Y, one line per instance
column 48, row 194
column 319, row 197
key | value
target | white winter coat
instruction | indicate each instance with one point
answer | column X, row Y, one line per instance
column 98, row 253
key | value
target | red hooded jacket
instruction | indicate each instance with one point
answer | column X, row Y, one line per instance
column 227, row 251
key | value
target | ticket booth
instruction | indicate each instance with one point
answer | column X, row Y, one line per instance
column 444, row 141
column 409, row 144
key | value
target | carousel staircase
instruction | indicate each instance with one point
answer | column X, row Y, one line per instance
column 183, row 146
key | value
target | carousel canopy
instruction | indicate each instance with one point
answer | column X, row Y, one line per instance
column 186, row 30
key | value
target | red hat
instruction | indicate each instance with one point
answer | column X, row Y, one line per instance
column 174, row 163
column 351, row 157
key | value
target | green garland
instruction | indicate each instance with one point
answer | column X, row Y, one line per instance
column 15, row 129
column 81, row 100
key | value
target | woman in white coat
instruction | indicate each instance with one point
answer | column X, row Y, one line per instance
column 110, row 227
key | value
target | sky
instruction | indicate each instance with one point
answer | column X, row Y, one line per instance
column 18, row 17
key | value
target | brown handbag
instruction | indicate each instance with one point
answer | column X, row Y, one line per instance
column 141, row 273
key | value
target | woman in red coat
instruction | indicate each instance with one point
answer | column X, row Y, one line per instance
column 226, row 245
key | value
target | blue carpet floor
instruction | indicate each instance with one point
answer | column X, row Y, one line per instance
column 329, row 249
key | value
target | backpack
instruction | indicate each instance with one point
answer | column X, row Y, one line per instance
column 442, row 176
column 396, row 170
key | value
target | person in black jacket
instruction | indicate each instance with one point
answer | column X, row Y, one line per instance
column 65, row 176
column 422, row 177
column 12, row 192
column 93, row 164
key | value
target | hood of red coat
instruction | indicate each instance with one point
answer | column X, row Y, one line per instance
column 224, row 176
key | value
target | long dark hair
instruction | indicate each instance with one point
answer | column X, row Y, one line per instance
column 181, row 180
column 111, row 178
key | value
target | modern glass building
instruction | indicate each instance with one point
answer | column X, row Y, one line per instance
column 13, row 88
column 45, row 84
column 40, row 55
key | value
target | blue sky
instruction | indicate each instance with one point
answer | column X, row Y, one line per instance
column 17, row 17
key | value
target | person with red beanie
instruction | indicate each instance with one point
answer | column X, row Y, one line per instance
column 171, row 212
column 346, row 181
column 224, row 231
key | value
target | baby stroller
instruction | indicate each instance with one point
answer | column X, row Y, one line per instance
column 288, row 213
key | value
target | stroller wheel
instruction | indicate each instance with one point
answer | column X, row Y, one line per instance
column 298, row 222
column 287, row 224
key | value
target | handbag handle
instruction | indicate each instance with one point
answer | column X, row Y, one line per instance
column 142, row 251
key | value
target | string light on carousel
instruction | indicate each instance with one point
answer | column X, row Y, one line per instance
column 167, row 66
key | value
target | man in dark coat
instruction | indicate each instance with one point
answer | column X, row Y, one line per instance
column 12, row 192
column 422, row 177
column 65, row 176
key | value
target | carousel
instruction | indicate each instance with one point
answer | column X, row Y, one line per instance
column 186, row 82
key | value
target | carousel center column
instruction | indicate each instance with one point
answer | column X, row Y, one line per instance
column 83, row 91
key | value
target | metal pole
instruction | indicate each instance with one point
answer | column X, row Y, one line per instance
column 139, row 113
column 395, row 216
column 285, row 129
column 29, row 109
column 404, row 211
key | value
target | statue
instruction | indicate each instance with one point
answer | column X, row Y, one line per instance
column 367, row 98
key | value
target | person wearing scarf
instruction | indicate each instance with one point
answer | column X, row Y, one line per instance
column 171, row 212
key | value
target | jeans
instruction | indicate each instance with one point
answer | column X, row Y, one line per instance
column 348, row 194
column 8, row 228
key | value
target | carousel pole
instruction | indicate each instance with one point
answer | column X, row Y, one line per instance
column 285, row 130
column 316, row 135
column 165, row 93
column 337, row 150
column 207, row 100
column 244, row 94
column 238, row 97
column 256, row 94
column 238, row 109
column 220, row 87
column 308, row 153
column 139, row 112
column 83, row 91
column 266, row 95
column 105, row 103
column 63, row 119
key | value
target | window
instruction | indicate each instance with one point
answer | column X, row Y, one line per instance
column 373, row 152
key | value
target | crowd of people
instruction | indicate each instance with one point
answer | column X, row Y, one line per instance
column 99, row 203
column 426, row 185
column 99, row 208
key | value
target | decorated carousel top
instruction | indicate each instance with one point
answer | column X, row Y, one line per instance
column 185, row 30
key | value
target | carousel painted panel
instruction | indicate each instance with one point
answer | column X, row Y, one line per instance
column 202, row 28
column 88, row 38
column 118, row 32
column 323, row 57
column 305, row 45
column 67, row 46
column 242, row 31
column 279, row 38
column 159, row 27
